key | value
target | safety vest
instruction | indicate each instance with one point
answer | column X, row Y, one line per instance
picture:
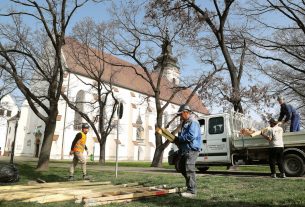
column 80, row 144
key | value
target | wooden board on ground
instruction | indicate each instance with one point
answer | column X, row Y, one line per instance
column 88, row 193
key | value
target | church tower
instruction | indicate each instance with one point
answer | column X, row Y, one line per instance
column 169, row 62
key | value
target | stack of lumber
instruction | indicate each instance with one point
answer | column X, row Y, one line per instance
column 88, row 193
column 251, row 132
column 246, row 132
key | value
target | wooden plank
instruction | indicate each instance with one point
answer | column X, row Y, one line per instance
column 95, row 194
column 24, row 195
column 136, row 194
column 61, row 196
column 50, row 185
column 129, row 197
column 50, row 198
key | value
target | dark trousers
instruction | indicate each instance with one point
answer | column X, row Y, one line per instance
column 295, row 123
column 276, row 156
column 188, row 170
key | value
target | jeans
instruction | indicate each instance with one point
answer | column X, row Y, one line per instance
column 188, row 170
column 276, row 156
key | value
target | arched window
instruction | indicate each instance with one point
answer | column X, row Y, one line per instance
column 79, row 103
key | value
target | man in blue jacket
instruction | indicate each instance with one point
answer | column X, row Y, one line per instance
column 189, row 144
column 290, row 113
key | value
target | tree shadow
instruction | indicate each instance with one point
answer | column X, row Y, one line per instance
column 28, row 172
column 176, row 200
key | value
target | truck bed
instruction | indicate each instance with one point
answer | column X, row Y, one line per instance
column 290, row 139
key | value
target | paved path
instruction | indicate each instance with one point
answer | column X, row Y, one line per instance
column 235, row 173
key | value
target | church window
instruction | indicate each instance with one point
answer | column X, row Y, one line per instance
column 79, row 102
column 9, row 113
column 1, row 112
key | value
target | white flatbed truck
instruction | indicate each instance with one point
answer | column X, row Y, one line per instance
column 222, row 145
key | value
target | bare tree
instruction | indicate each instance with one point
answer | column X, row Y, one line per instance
column 7, row 84
column 217, row 37
column 141, row 38
column 281, row 46
column 33, row 58
column 86, row 49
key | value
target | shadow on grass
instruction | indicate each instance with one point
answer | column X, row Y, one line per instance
column 176, row 200
column 28, row 172
column 234, row 173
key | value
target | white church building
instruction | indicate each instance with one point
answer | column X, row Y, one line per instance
column 139, row 111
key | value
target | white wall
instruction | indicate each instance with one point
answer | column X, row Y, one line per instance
column 8, row 104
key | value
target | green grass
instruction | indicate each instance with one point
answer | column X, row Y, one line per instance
column 214, row 190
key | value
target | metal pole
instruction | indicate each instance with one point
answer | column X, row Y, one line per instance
column 117, row 150
column 64, row 127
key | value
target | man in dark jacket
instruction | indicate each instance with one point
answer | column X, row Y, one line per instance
column 290, row 113
column 189, row 144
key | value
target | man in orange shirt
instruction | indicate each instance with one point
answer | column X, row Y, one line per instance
column 77, row 149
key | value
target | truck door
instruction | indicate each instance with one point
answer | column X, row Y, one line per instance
column 203, row 136
column 217, row 141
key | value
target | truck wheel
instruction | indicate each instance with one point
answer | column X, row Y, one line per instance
column 203, row 169
column 293, row 165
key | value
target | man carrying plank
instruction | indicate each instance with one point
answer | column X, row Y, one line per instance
column 189, row 144
column 275, row 138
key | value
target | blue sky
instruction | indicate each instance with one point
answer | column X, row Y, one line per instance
column 99, row 13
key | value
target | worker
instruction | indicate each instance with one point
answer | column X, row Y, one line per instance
column 275, row 138
column 290, row 113
column 189, row 144
column 77, row 149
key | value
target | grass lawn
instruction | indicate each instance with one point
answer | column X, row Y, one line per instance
column 214, row 190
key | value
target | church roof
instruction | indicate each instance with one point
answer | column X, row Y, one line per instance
column 121, row 73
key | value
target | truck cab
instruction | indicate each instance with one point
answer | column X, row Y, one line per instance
column 215, row 134
column 215, row 140
column 223, row 145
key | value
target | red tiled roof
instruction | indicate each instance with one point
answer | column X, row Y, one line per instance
column 122, row 74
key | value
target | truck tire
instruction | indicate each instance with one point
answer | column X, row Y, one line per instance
column 293, row 165
column 203, row 169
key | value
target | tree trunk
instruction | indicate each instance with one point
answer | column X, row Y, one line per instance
column 158, row 155
column 102, row 152
column 44, row 157
column 238, row 107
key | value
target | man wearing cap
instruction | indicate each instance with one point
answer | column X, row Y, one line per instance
column 77, row 149
column 290, row 113
column 275, row 139
column 189, row 144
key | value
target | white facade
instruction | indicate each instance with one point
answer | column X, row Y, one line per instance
column 129, row 148
column 8, row 109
